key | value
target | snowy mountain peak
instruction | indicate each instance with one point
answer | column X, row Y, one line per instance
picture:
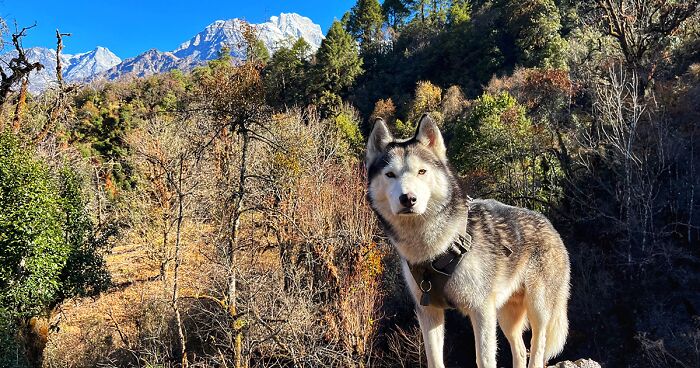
column 300, row 26
column 83, row 66
column 278, row 31
column 286, row 27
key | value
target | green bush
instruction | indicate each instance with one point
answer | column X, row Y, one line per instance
column 501, row 148
column 347, row 121
column 47, row 248
column 32, row 247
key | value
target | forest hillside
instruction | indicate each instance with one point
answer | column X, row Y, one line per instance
column 217, row 216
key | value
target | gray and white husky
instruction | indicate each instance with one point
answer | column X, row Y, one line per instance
column 515, row 271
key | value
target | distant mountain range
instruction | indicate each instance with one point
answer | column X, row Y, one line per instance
column 76, row 67
column 100, row 63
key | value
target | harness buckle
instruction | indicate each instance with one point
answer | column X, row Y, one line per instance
column 423, row 289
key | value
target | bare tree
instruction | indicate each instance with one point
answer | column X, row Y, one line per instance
column 60, row 106
column 18, row 67
column 631, row 140
column 643, row 29
column 169, row 150
column 243, row 127
column 59, row 48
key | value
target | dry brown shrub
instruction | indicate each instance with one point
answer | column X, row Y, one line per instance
column 327, row 238
column 405, row 347
column 384, row 109
column 121, row 327
column 453, row 103
column 308, row 265
column 542, row 92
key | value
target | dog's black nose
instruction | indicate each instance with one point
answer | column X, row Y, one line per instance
column 407, row 199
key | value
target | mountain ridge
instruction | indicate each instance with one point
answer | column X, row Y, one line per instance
column 277, row 32
column 100, row 63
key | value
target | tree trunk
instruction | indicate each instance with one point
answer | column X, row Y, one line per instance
column 165, row 257
column 17, row 119
column 59, row 67
column 178, row 236
column 232, row 244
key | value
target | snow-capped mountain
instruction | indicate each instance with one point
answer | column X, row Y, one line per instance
column 100, row 63
column 278, row 31
column 206, row 44
column 275, row 33
column 82, row 66
column 75, row 67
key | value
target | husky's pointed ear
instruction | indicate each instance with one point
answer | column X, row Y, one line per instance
column 378, row 140
column 429, row 134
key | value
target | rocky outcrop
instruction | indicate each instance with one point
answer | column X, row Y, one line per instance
column 581, row 363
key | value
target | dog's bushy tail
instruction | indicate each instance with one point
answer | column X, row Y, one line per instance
column 558, row 327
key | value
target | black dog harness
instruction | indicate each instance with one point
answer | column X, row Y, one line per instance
column 431, row 276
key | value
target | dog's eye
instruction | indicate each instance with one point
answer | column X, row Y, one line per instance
column 421, row 171
column 390, row 175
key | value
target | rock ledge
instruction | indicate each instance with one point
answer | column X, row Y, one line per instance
column 581, row 363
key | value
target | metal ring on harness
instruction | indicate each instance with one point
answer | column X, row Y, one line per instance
column 430, row 286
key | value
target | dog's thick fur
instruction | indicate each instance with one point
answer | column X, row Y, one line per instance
column 528, row 288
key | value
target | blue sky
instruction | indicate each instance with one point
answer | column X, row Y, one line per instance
column 130, row 27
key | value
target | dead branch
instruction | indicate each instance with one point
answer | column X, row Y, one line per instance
column 60, row 105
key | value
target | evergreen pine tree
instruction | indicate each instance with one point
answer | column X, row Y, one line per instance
column 535, row 26
column 365, row 24
column 285, row 75
column 337, row 61
column 255, row 51
column 459, row 12
column 395, row 12
column 301, row 49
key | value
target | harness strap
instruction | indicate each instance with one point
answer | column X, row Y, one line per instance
column 448, row 261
